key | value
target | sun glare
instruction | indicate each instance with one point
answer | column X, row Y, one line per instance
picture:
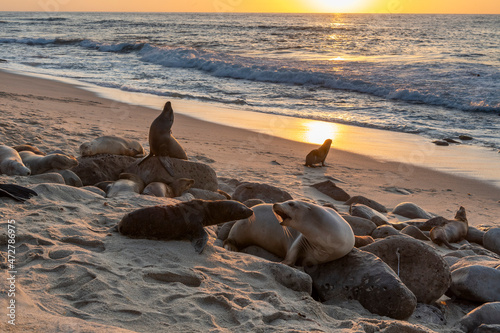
column 317, row 131
column 338, row 6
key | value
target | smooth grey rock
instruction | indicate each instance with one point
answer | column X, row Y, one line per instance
column 411, row 210
column 429, row 314
column 475, row 235
column 368, row 213
column 261, row 253
column 364, row 277
column 253, row 202
column 361, row 241
column 359, row 225
column 333, row 191
column 198, row 193
column 488, row 314
column 415, row 232
column 51, row 177
column 384, row 231
column 359, row 199
column 419, row 266
column 291, row 278
column 264, row 192
column 491, row 240
column 476, row 283
column 70, row 178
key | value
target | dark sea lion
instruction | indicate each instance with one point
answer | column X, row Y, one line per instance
column 40, row 164
column 451, row 232
column 318, row 155
column 161, row 140
column 181, row 221
column 16, row 192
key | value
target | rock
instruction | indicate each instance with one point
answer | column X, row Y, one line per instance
column 95, row 190
column 264, row 192
column 95, row 169
column 358, row 199
column 465, row 137
column 224, row 229
column 253, row 202
column 368, row 213
column 51, row 177
column 429, row 314
column 198, row 193
column 440, row 143
column 399, row 226
column 329, row 188
column 491, row 240
column 70, row 178
column 153, row 170
column 410, row 210
column 384, row 231
column 359, row 225
column 261, row 253
column 419, row 266
column 415, row 233
column 486, row 314
column 362, row 276
column 361, row 241
column 485, row 328
column 450, row 140
column 475, row 235
column 291, row 278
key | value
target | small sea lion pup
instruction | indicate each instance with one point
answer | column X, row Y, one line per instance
column 318, row 155
column 11, row 163
column 111, row 145
column 452, row 231
column 325, row 235
column 185, row 220
column 161, row 140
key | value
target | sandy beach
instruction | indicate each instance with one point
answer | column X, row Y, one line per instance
column 76, row 274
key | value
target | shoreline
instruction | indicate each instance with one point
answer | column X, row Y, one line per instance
column 383, row 145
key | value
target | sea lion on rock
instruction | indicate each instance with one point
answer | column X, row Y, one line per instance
column 40, row 164
column 181, row 221
column 172, row 190
column 262, row 229
column 33, row 149
column 453, row 231
column 318, row 155
column 325, row 235
column 111, row 145
column 11, row 163
column 161, row 140
column 127, row 183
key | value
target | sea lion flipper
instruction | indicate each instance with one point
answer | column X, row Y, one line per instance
column 16, row 192
column 144, row 159
column 200, row 242
column 167, row 164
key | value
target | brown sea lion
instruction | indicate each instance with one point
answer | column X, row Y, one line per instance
column 29, row 148
column 185, row 220
column 318, row 155
column 40, row 164
column 11, row 163
column 325, row 235
column 128, row 182
column 111, row 145
column 172, row 190
column 452, row 232
column 161, row 140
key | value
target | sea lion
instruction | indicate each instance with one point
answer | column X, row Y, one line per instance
column 11, row 163
column 262, row 229
column 161, row 140
column 451, row 232
column 172, row 190
column 128, row 182
column 318, row 155
column 181, row 221
column 29, row 148
column 40, row 164
column 325, row 235
column 111, row 145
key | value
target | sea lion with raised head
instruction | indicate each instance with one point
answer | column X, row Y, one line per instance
column 161, row 140
column 112, row 145
column 325, row 235
column 40, row 164
column 262, row 229
column 185, row 220
column 318, row 155
column 11, row 163
column 452, row 231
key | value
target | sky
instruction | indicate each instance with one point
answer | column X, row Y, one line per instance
column 280, row 6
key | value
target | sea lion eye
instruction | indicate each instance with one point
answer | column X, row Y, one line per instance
column 291, row 204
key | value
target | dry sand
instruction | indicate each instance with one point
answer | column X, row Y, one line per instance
column 74, row 273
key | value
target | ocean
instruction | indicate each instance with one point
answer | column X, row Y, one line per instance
column 433, row 75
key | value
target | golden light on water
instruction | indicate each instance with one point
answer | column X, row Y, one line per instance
column 318, row 131
column 339, row 6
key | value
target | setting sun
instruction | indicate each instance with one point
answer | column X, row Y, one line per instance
column 339, row 6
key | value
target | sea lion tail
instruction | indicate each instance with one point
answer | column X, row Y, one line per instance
column 451, row 247
column 200, row 242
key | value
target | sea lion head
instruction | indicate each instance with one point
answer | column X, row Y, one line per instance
column 461, row 215
column 86, row 149
column 327, row 143
column 219, row 211
column 168, row 114
column 62, row 162
column 286, row 212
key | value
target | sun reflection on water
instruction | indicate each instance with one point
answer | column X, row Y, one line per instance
column 318, row 131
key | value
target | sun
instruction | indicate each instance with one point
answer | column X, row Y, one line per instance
column 339, row 6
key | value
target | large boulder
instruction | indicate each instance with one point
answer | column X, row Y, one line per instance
column 333, row 191
column 100, row 168
column 359, row 225
column 415, row 232
column 359, row 199
column 364, row 277
column 154, row 169
column 419, row 266
column 411, row 211
column 384, row 231
column 368, row 213
column 476, row 278
column 264, row 192
column 486, row 314
column 491, row 240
